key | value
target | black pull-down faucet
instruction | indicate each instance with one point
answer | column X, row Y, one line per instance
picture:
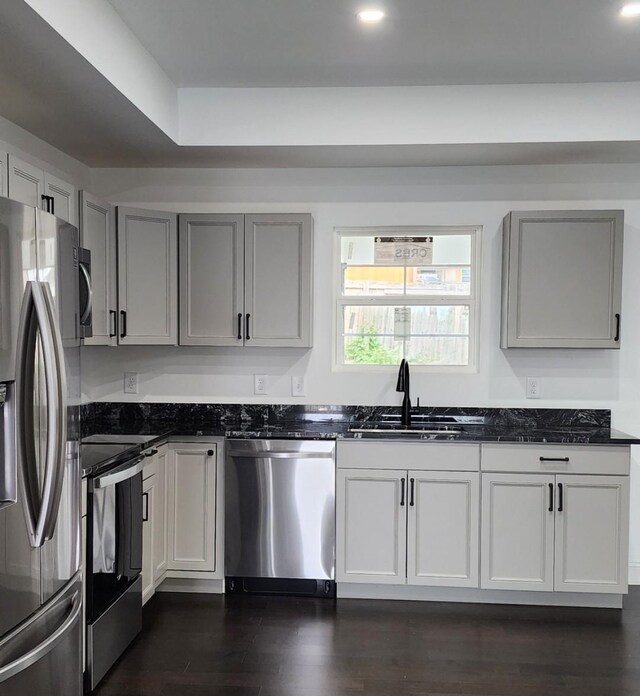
column 403, row 385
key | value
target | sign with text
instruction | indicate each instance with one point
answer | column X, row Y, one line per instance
column 403, row 251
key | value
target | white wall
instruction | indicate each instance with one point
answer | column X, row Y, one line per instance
column 19, row 142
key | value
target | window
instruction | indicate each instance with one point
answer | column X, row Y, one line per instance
column 408, row 293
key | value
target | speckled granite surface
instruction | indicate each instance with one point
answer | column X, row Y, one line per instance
column 569, row 426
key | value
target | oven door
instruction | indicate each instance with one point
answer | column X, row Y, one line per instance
column 114, row 536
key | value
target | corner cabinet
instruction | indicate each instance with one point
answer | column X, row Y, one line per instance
column 562, row 279
column 98, row 234
column 147, row 277
column 246, row 280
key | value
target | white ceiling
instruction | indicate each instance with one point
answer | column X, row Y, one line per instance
column 292, row 43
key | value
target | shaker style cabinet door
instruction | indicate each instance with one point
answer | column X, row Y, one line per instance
column 443, row 528
column 98, row 234
column 192, row 507
column 211, row 280
column 278, row 280
column 147, row 277
column 562, row 279
column 160, row 532
column 26, row 182
column 592, row 534
column 371, row 527
column 517, row 532
column 63, row 195
column 4, row 171
column 148, row 534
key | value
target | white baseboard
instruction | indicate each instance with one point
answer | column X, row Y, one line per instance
column 463, row 594
column 200, row 586
column 634, row 573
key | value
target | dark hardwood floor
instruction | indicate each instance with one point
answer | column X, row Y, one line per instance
column 210, row 645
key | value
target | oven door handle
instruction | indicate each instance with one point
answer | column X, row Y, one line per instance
column 120, row 475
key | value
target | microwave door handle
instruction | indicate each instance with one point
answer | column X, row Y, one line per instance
column 55, row 381
column 84, row 274
column 25, row 426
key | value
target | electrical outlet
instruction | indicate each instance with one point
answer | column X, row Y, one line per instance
column 533, row 387
column 297, row 385
column 259, row 384
column 130, row 382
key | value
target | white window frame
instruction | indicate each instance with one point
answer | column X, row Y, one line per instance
column 472, row 300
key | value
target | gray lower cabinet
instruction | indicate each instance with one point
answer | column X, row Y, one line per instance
column 147, row 277
column 98, row 234
column 246, row 280
column 31, row 185
column 562, row 279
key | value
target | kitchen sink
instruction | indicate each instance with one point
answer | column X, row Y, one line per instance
column 422, row 428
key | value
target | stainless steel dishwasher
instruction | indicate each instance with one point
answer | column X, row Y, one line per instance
column 280, row 517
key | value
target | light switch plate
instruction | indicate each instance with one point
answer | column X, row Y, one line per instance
column 259, row 384
column 297, row 385
column 533, row 388
column 130, row 382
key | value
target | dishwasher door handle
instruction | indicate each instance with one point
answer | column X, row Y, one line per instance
column 267, row 454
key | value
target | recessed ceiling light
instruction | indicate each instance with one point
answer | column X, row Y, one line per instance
column 631, row 10
column 370, row 16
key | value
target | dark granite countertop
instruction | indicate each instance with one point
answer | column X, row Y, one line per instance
column 158, row 422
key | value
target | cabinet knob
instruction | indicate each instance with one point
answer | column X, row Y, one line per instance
column 210, row 453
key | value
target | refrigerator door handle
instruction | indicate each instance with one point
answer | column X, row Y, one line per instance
column 56, row 413
column 37, row 653
column 25, row 426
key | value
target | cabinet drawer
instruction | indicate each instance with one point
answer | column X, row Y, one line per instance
column 571, row 459
column 420, row 456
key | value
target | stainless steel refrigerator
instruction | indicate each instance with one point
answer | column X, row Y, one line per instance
column 40, row 576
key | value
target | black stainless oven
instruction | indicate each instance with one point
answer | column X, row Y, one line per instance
column 114, row 564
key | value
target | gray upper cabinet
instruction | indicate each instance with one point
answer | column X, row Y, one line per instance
column 63, row 196
column 147, row 277
column 4, row 171
column 562, row 279
column 98, row 234
column 29, row 185
column 246, row 280
column 211, row 280
column 26, row 182
column 278, row 269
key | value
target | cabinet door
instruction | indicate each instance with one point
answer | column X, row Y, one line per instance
column 97, row 229
column 147, row 277
column 211, row 280
column 517, row 532
column 278, row 280
column 562, row 279
column 26, row 182
column 64, row 198
column 160, row 563
column 443, row 528
column 192, row 507
column 371, row 543
column 592, row 534
column 148, row 500
column 4, row 171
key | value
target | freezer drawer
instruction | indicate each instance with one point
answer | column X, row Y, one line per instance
column 280, row 509
column 43, row 656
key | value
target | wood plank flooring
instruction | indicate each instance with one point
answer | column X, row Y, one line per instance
column 211, row 645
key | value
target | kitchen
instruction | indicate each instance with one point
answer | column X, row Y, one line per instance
column 235, row 282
